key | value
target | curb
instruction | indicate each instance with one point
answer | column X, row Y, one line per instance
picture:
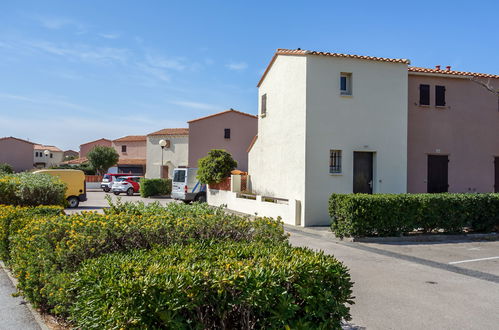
column 38, row 318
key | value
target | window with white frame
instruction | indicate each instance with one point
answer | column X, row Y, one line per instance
column 345, row 83
column 334, row 161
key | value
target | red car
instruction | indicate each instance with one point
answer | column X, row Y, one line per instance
column 126, row 184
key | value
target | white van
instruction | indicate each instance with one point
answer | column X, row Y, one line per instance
column 186, row 187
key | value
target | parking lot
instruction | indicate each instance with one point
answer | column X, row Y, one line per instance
column 96, row 200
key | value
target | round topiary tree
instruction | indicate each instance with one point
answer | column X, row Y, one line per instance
column 215, row 167
column 102, row 158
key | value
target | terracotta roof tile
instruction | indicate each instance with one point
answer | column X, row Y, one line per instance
column 102, row 139
column 76, row 161
column 224, row 112
column 452, row 72
column 132, row 138
column 302, row 52
column 171, row 131
column 21, row 140
column 49, row 148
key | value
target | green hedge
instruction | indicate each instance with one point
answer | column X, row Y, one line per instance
column 45, row 254
column 155, row 187
column 396, row 214
column 29, row 189
column 213, row 286
column 6, row 169
column 13, row 218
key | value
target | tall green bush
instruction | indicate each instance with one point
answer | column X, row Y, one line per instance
column 6, row 169
column 155, row 187
column 102, row 158
column 231, row 285
column 397, row 214
column 215, row 167
column 29, row 189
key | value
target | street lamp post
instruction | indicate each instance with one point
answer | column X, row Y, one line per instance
column 46, row 153
column 162, row 144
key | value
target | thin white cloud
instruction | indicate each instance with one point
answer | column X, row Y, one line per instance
column 53, row 101
column 109, row 35
column 154, row 72
column 57, row 23
column 237, row 66
column 196, row 105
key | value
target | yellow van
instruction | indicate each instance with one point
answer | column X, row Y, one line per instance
column 75, row 181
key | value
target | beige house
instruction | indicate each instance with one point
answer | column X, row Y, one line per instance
column 47, row 156
column 132, row 152
column 162, row 161
column 18, row 153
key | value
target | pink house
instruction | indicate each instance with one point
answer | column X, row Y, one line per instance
column 18, row 153
column 453, row 131
column 86, row 147
column 230, row 130
column 132, row 151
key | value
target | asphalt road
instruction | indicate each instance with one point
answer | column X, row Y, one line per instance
column 418, row 285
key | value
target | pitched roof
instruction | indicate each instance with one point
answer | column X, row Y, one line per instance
column 252, row 143
column 302, row 52
column 49, row 148
column 102, row 139
column 171, row 131
column 76, row 161
column 451, row 72
column 222, row 113
column 21, row 140
column 132, row 138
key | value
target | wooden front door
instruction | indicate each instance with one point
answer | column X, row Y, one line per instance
column 362, row 172
column 164, row 172
column 438, row 174
column 496, row 170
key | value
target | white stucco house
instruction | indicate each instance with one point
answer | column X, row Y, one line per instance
column 329, row 123
column 46, row 156
column 174, row 154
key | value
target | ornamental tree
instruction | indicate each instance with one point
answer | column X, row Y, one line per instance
column 102, row 158
column 215, row 167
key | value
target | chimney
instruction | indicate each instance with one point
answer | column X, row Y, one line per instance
column 437, row 67
column 448, row 67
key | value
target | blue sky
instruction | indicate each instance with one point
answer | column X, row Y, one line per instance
column 74, row 71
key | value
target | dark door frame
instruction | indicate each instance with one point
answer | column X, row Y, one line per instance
column 428, row 186
column 356, row 186
column 496, row 174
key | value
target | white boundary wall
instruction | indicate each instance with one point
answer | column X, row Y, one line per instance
column 289, row 212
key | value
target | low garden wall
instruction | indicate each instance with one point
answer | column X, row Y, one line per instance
column 361, row 215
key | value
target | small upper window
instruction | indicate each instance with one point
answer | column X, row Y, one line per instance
column 264, row 105
column 51, row 156
column 36, row 153
column 227, row 133
column 440, row 96
column 424, row 94
column 334, row 161
column 346, row 83
column 123, row 148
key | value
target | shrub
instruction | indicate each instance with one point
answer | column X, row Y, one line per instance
column 397, row 214
column 215, row 167
column 208, row 286
column 102, row 158
column 45, row 254
column 85, row 167
column 155, row 187
column 6, row 169
column 29, row 189
column 14, row 218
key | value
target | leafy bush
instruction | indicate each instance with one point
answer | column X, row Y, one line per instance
column 6, row 169
column 155, row 187
column 215, row 167
column 45, row 254
column 13, row 218
column 85, row 167
column 397, row 214
column 102, row 158
column 208, row 286
column 29, row 189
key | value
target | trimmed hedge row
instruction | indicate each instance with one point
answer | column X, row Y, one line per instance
column 231, row 285
column 396, row 214
column 155, row 187
column 29, row 189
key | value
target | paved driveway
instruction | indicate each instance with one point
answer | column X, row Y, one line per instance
column 417, row 285
column 96, row 201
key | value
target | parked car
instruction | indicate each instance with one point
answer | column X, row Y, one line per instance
column 75, row 182
column 109, row 179
column 186, row 187
column 126, row 184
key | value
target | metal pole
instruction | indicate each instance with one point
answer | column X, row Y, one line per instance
column 161, row 169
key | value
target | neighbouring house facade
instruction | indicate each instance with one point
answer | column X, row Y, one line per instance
column 132, row 152
column 70, row 154
column 453, row 131
column 162, row 161
column 86, row 147
column 230, row 130
column 330, row 123
column 47, row 156
column 18, row 153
